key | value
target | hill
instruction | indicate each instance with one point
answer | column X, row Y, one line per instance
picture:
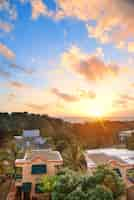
column 91, row 134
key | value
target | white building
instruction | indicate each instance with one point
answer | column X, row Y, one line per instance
column 121, row 160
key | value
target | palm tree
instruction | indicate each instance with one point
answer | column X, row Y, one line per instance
column 73, row 156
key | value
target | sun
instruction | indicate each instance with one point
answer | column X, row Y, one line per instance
column 97, row 112
column 100, row 107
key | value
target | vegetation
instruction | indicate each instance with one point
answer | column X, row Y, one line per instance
column 71, row 140
column 47, row 184
column 69, row 185
column 73, row 156
column 8, row 155
column 110, row 179
column 91, row 134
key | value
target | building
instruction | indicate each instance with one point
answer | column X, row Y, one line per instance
column 32, row 167
column 123, row 135
column 31, row 139
column 120, row 160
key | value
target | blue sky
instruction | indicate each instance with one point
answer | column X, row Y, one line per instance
column 67, row 59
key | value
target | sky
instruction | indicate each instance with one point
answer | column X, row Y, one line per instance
column 67, row 58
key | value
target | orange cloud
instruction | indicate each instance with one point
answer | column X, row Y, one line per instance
column 130, row 47
column 18, row 85
column 124, row 101
column 6, row 52
column 64, row 96
column 11, row 97
column 114, row 21
column 38, row 8
column 36, row 107
column 87, row 94
column 88, row 66
column 4, row 26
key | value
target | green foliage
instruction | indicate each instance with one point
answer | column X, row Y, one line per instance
column 130, row 173
column 8, row 155
column 104, row 184
column 67, row 182
column 100, row 193
column 48, row 183
column 72, row 186
column 110, row 179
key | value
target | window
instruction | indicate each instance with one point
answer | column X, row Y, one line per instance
column 18, row 174
column 26, row 187
column 39, row 169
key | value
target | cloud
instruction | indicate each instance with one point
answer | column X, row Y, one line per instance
column 64, row 96
column 5, row 74
column 18, row 84
column 87, row 94
column 130, row 47
column 38, row 8
column 6, row 52
column 99, row 52
column 9, row 8
column 132, row 85
column 23, row 69
column 11, row 96
column 4, row 26
column 80, row 9
column 113, row 22
column 127, row 97
column 36, row 107
column 90, row 67
column 124, row 100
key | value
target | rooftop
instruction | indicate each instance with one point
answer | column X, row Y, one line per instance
column 102, row 156
column 127, row 131
column 48, row 155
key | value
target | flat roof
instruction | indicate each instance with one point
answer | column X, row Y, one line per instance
column 127, row 131
column 103, row 156
column 44, row 154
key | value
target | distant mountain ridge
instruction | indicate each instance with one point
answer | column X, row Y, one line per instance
column 92, row 133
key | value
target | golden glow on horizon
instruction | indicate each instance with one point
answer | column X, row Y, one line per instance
column 96, row 112
column 99, row 107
